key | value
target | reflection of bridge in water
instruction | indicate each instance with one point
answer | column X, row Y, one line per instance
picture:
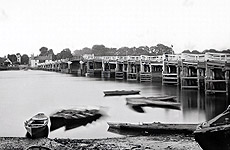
column 209, row 105
column 208, row 72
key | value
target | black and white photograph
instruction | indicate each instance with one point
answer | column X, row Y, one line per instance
column 114, row 74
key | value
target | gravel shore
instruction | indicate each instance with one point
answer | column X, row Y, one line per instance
column 155, row 142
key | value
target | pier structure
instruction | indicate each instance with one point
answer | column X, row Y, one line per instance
column 65, row 66
column 217, row 73
column 150, row 68
column 171, row 69
column 90, row 66
column 192, row 70
column 56, row 66
column 75, row 65
column 133, row 68
column 109, row 66
column 121, row 68
column 209, row 71
column 47, row 65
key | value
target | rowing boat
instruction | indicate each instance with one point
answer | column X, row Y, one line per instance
column 121, row 92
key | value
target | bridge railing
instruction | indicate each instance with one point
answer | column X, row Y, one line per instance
column 157, row 58
column 172, row 57
column 223, row 57
column 193, row 57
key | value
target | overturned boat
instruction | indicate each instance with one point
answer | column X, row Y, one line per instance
column 37, row 126
column 154, row 128
column 215, row 133
column 121, row 92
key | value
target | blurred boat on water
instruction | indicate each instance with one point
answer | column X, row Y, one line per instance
column 76, row 117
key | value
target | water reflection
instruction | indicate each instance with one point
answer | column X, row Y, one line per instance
column 30, row 92
column 215, row 104
column 198, row 103
column 138, row 109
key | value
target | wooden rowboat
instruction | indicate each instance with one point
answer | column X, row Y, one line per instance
column 37, row 126
column 163, row 98
column 143, row 102
column 38, row 147
column 155, row 127
column 72, row 118
column 121, row 92
column 215, row 133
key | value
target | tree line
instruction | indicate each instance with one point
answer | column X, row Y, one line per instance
column 101, row 50
column 14, row 60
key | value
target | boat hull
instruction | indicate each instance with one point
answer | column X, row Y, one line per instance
column 214, row 140
column 114, row 93
column 38, row 132
column 155, row 128
column 72, row 123
column 57, row 122
column 142, row 102
column 72, row 118
column 215, row 133
column 37, row 126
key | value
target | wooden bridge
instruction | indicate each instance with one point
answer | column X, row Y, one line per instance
column 209, row 71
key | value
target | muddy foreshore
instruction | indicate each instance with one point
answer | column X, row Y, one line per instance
column 155, row 142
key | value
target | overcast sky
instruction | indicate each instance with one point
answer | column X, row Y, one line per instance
column 27, row 25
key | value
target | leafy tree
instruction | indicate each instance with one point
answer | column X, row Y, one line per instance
column 65, row 53
column 43, row 51
column 2, row 61
column 25, row 59
column 12, row 58
column 196, row 52
column 50, row 52
column 99, row 50
column 142, row 50
column 160, row 49
column 85, row 50
column 226, row 51
column 58, row 56
column 210, row 51
column 186, row 51
column 123, row 51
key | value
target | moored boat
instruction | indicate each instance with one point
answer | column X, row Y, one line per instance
column 121, row 92
column 72, row 118
column 38, row 147
column 163, row 98
column 215, row 133
column 155, row 127
column 143, row 102
column 37, row 126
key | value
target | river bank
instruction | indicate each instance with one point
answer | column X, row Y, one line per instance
column 156, row 142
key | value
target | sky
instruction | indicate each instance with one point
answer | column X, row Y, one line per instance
column 28, row 25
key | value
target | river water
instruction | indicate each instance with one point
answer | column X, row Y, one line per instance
column 25, row 93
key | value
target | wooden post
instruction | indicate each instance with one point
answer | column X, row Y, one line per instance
column 198, row 78
column 227, row 80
